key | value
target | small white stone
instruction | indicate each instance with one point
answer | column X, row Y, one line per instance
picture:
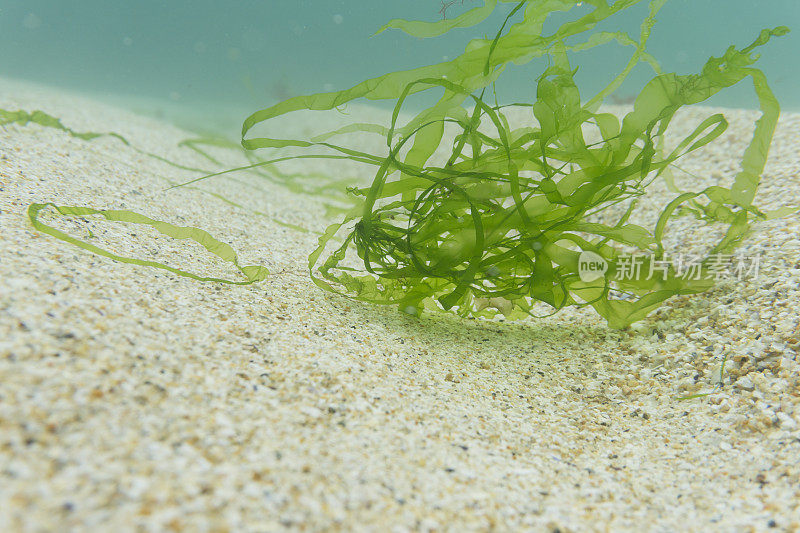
column 744, row 383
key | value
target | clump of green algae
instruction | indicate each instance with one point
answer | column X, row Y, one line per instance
column 505, row 218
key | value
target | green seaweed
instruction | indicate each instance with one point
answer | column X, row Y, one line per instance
column 307, row 183
column 499, row 223
column 41, row 118
column 252, row 274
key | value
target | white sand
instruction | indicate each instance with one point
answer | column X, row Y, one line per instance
column 131, row 398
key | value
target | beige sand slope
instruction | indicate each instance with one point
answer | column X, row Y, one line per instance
column 133, row 398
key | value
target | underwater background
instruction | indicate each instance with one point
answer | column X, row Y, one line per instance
column 212, row 63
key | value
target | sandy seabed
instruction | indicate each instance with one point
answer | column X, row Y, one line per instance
column 134, row 399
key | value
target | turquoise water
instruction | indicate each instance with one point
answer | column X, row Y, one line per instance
column 233, row 57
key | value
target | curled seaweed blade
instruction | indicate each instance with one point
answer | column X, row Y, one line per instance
column 252, row 273
column 421, row 29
